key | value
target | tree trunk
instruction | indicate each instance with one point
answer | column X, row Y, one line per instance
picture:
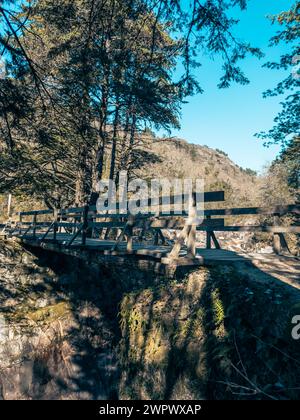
column 114, row 144
column 99, row 164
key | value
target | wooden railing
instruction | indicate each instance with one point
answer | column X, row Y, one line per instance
column 85, row 222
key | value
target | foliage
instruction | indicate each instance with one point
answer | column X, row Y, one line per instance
column 213, row 334
column 249, row 171
column 287, row 122
column 221, row 152
column 290, row 157
column 85, row 79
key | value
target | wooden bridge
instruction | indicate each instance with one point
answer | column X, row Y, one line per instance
column 143, row 236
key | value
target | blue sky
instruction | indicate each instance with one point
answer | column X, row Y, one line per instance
column 228, row 118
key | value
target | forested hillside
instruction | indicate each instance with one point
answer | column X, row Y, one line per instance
column 178, row 158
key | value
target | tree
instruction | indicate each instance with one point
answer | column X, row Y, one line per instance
column 290, row 159
column 287, row 122
column 286, row 130
column 93, row 74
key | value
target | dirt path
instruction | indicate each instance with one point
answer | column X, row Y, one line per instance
column 280, row 269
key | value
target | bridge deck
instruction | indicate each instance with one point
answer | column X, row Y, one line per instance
column 143, row 250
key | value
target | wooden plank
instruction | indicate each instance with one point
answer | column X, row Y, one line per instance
column 61, row 212
column 277, row 210
column 113, row 215
column 37, row 212
column 75, row 235
column 191, row 238
column 38, row 224
column 276, row 243
column 215, row 240
column 209, row 196
column 208, row 240
column 127, row 230
column 47, row 232
column 113, row 224
column 171, row 223
column 34, row 217
column 67, row 211
column 208, row 236
column 283, row 243
column 55, row 220
column 171, row 213
column 26, row 231
column 67, row 224
column 191, row 242
column 85, row 225
column 213, row 196
column 202, row 228
column 163, row 223
column 183, row 261
column 271, row 229
column 279, row 241
column 129, row 234
column 188, row 234
column 161, row 236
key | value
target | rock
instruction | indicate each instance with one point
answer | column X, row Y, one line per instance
column 41, row 303
column 266, row 250
column 55, row 342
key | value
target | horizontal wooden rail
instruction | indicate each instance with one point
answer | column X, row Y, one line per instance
column 275, row 211
column 210, row 196
column 179, row 223
column 243, row 211
column 206, row 197
column 37, row 224
column 157, row 223
column 33, row 212
column 67, row 224
column 271, row 229
column 206, row 225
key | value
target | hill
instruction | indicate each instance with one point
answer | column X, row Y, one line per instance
column 176, row 158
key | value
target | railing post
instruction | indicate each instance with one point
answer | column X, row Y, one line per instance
column 129, row 233
column 208, row 236
column 55, row 217
column 191, row 239
column 191, row 242
column 276, row 243
column 34, row 224
column 20, row 223
column 215, row 240
column 163, row 239
column 188, row 233
column 156, row 237
column 85, row 224
column 279, row 242
column 9, row 206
